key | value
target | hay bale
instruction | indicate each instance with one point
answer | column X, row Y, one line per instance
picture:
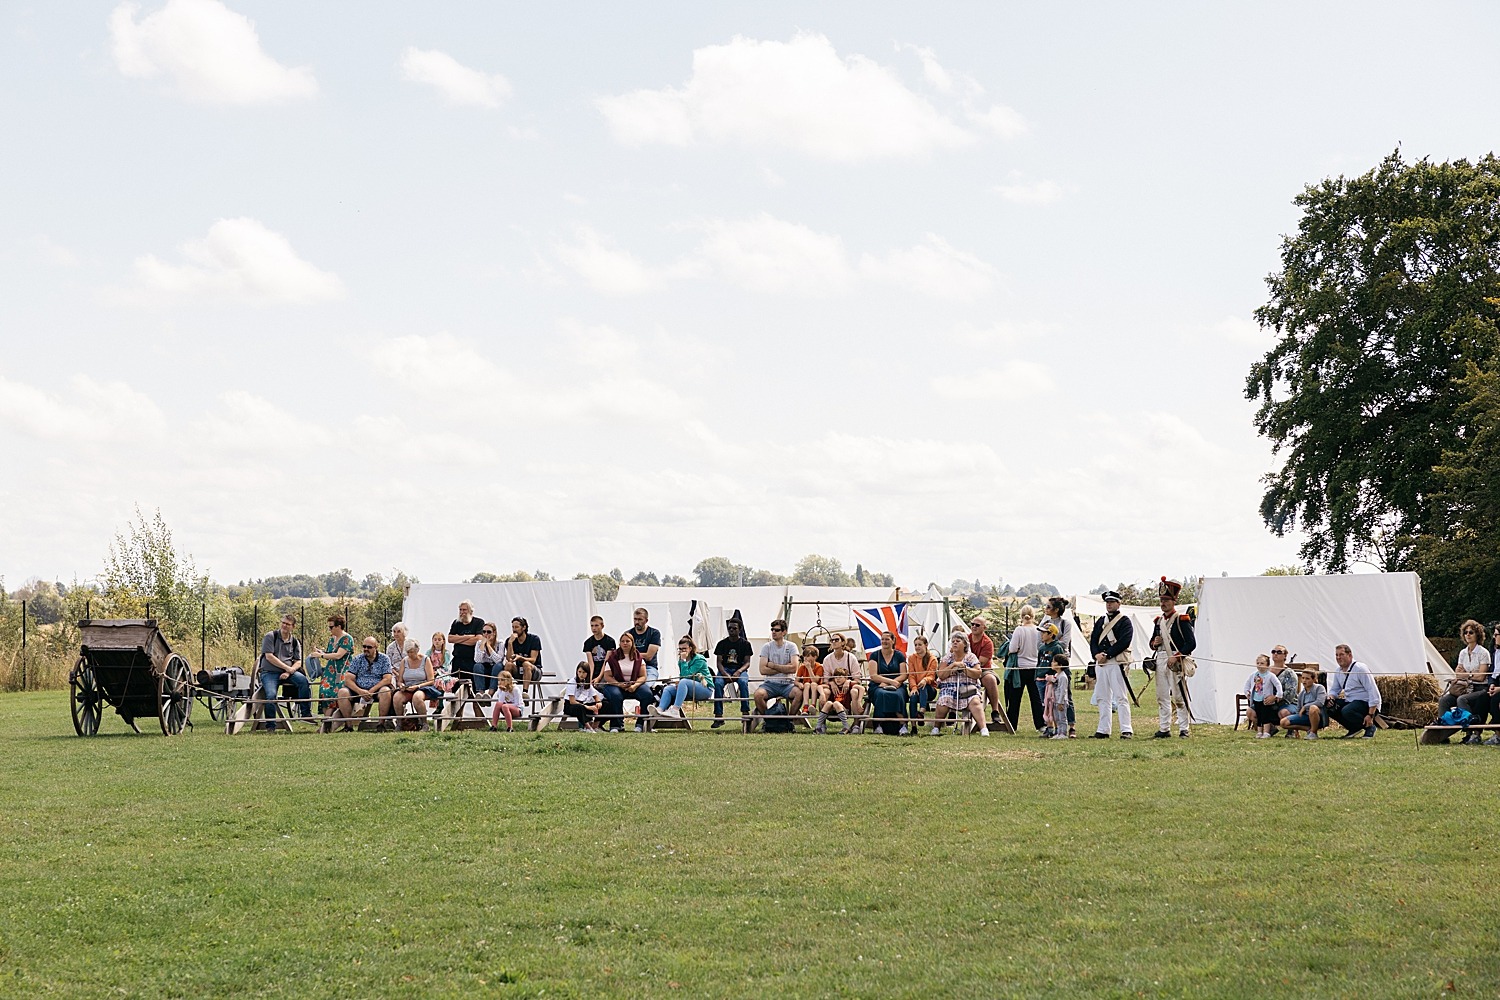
column 1412, row 697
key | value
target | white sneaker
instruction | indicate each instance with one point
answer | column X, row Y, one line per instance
column 1060, row 736
column 1262, row 736
column 933, row 731
column 984, row 731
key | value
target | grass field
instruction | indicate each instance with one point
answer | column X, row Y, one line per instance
column 715, row 864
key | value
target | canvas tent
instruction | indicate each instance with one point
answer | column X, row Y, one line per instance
column 1379, row 615
column 556, row 611
column 1142, row 620
column 760, row 605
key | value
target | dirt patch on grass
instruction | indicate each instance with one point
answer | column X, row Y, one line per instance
column 998, row 753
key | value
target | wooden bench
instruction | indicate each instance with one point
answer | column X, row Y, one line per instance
column 1433, row 735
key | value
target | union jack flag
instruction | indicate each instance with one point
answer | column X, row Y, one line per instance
column 886, row 618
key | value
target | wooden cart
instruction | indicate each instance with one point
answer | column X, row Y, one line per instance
column 127, row 664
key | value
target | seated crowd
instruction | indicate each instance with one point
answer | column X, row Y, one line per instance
column 889, row 690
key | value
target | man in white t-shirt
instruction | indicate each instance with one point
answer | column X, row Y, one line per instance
column 778, row 665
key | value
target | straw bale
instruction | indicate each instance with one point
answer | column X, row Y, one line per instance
column 1412, row 697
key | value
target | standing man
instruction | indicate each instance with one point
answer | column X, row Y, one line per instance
column 778, row 664
column 1352, row 694
column 596, row 647
column 983, row 649
column 1110, row 646
column 463, row 634
column 732, row 659
column 1173, row 641
column 281, row 663
column 648, row 641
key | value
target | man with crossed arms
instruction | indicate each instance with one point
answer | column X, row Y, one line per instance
column 1110, row 646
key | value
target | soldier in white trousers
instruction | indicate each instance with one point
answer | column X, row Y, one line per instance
column 1110, row 646
column 1174, row 641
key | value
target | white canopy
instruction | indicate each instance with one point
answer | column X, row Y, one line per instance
column 1142, row 621
column 1379, row 615
column 760, row 605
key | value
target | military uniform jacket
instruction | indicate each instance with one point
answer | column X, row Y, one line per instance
column 1124, row 632
column 1183, row 638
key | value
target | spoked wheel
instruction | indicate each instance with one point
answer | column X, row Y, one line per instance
column 218, row 706
column 85, row 698
column 174, row 696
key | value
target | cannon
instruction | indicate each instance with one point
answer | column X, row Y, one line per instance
column 127, row 664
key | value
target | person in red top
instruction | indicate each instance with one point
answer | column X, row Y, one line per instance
column 983, row 647
column 811, row 679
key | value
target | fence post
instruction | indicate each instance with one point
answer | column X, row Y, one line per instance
column 255, row 634
column 203, row 635
column 23, row 645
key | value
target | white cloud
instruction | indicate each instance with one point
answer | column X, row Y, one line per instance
column 766, row 254
column 799, row 94
column 1014, row 380
column 211, row 54
column 1007, row 123
column 455, row 81
column 773, row 256
column 55, row 254
column 89, row 413
column 1036, row 193
column 932, row 267
column 606, row 269
column 241, row 260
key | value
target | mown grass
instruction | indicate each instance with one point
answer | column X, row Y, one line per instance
column 714, row 864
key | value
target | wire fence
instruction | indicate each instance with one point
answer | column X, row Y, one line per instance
column 37, row 655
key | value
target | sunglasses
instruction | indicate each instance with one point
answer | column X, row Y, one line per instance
column 369, row 649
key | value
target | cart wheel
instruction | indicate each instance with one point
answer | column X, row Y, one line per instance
column 85, row 699
column 218, row 706
column 174, row 695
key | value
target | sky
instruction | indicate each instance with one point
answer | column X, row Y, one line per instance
column 949, row 290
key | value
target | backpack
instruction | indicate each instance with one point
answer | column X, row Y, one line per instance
column 776, row 720
column 1456, row 716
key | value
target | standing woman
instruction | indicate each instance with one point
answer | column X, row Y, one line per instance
column 1020, row 669
column 336, row 656
column 921, row 679
column 623, row 676
column 489, row 660
column 888, row 686
column 692, row 683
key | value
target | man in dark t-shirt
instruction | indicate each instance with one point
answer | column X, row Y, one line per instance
column 597, row 646
column 463, row 634
column 732, row 658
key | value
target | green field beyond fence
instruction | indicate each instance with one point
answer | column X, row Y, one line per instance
column 715, row 864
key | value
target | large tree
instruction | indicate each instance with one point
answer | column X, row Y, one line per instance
column 1460, row 559
column 1386, row 292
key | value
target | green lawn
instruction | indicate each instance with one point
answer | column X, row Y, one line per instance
column 715, row 864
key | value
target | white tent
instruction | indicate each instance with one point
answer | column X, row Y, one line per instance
column 1379, row 615
column 672, row 619
column 758, row 605
column 556, row 611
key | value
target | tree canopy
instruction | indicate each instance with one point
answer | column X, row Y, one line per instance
column 1386, row 294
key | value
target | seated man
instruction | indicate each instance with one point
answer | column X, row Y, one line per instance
column 281, row 663
column 1352, row 695
column 1310, row 700
column 368, row 678
column 778, row 664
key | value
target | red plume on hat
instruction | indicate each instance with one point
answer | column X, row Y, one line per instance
column 1169, row 588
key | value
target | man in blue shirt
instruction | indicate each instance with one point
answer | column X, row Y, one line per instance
column 1352, row 694
column 368, row 678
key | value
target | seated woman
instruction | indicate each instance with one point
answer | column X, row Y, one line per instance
column 888, row 687
column 811, row 679
column 507, row 702
column 581, row 701
column 693, row 682
column 622, row 676
column 1264, row 691
column 958, row 686
column 489, row 660
column 921, row 679
column 1469, row 688
column 414, row 684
